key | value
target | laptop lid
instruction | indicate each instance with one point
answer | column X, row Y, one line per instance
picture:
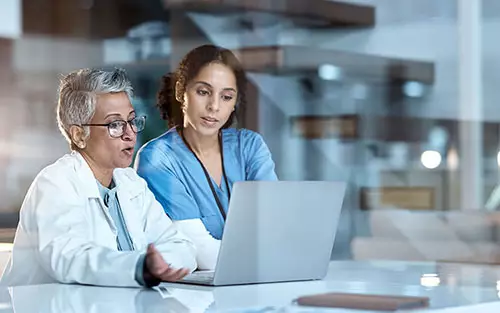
column 279, row 231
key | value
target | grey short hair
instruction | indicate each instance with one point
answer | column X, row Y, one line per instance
column 78, row 93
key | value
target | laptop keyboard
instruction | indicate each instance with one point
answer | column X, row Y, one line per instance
column 201, row 276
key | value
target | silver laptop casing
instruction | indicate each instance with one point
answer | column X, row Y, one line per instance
column 278, row 231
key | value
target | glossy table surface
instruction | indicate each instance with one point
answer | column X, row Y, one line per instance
column 450, row 287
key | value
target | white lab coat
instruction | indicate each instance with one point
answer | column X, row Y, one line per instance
column 65, row 233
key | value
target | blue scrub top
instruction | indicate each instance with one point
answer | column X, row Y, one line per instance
column 178, row 182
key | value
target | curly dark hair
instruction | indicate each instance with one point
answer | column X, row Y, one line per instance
column 189, row 67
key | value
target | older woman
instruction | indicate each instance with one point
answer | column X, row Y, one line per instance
column 88, row 218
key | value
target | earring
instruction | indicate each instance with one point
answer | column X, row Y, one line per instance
column 81, row 145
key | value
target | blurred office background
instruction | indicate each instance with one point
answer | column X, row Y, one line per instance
column 399, row 98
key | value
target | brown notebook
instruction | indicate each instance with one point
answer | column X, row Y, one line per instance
column 363, row 302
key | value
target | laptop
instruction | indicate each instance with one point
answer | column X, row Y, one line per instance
column 276, row 231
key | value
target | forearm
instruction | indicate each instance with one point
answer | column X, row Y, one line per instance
column 174, row 246
column 70, row 262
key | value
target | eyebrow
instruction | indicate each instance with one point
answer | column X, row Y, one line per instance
column 118, row 115
column 208, row 85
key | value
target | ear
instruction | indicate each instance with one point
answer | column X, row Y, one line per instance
column 78, row 137
column 178, row 94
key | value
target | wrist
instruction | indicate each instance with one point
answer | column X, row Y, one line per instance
column 149, row 279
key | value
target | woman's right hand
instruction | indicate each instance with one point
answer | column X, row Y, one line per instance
column 161, row 270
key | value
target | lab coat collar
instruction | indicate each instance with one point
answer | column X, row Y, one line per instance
column 124, row 185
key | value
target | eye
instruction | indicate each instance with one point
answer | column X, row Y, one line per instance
column 202, row 92
column 227, row 98
column 115, row 124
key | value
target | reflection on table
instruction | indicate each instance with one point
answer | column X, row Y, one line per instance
column 447, row 285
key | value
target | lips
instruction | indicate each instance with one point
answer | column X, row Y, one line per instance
column 210, row 119
column 129, row 150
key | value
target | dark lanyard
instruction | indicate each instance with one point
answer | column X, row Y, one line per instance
column 207, row 176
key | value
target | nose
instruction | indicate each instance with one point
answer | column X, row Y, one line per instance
column 128, row 133
column 213, row 104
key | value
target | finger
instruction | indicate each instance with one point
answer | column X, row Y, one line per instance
column 156, row 263
column 169, row 275
column 184, row 272
column 176, row 275
column 179, row 274
column 167, row 272
column 151, row 249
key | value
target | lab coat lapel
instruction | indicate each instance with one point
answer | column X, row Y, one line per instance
column 89, row 186
column 126, row 192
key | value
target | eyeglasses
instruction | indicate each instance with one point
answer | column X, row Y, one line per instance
column 116, row 129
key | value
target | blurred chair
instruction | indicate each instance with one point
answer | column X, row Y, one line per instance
column 430, row 236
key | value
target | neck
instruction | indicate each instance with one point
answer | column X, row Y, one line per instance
column 103, row 175
column 201, row 145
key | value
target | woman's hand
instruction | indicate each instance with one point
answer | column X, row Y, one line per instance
column 161, row 270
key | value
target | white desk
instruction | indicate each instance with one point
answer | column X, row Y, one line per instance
column 448, row 286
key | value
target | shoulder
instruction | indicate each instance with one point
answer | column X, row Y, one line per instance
column 57, row 180
column 61, row 172
column 162, row 143
column 251, row 136
column 157, row 150
column 243, row 136
column 54, row 191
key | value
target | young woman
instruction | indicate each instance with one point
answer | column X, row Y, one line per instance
column 191, row 168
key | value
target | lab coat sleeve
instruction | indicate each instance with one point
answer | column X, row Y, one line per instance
column 259, row 164
column 176, row 248
column 61, row 231
column 207, row 246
